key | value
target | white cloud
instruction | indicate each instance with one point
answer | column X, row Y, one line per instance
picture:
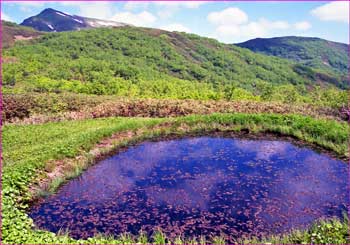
column 334, row 11
column 134, row 5
column 78, row 3
column 96, row 10
column 176, row 27
column 5, row 17
column 302, row 26
column 240, row 32
column 185, row 4
column 167, row 9
column 233, row 25
column 260, row 28
column 27, row 6
column 164, row 9
column 28, row 3
column 228, row 16
column 227, row 31
column 140, row 19
column 275, row 25
column 105, row 10
column 100, row 10
column 166, row 13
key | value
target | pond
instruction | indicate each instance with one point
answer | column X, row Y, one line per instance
column 195, row 186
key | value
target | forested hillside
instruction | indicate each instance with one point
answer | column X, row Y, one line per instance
column 151, row 63
column 313, row 52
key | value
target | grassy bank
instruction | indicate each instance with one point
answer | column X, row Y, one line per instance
column 27, row 150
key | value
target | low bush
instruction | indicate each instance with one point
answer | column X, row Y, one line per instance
column 23, row 105
column 39, row 108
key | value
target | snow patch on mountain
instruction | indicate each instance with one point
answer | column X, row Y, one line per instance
column 81, row 22
column 61, row 14
column 50, row 20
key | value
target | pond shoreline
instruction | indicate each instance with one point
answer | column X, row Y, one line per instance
column 41, row 147
column 137, row 137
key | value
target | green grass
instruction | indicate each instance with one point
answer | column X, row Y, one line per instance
column 26, row 150
column 56, row 140
column 326, row 133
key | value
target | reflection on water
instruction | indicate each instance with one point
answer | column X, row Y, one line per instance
column 200, row 186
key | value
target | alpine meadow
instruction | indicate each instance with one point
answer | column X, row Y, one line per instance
column 120, row 130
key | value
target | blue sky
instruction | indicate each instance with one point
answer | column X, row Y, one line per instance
column 227, row 21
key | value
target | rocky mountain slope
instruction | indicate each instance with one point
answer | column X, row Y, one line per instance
column 11, row 32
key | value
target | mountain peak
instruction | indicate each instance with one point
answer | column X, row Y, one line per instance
column 51, row 20
column 48, row 10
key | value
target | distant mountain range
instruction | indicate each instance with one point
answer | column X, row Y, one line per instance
column 317, row 53
column 313, row 52
column 51, row 20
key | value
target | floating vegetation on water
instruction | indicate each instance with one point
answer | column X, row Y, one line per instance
column 200, row 186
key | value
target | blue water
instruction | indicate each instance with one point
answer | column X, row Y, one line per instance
column 200, row 186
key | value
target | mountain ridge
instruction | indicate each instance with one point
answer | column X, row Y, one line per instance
column 51, row 20
column 314, row 52
column 96, row 59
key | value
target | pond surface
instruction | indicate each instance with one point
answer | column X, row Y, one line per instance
column 200, row 186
